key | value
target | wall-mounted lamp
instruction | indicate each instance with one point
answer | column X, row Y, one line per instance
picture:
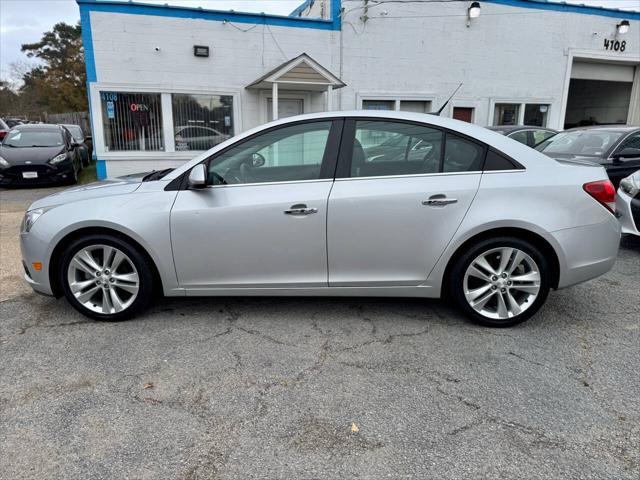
column 622, row 27
column 474, row 10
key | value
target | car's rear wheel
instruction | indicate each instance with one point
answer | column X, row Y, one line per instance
column 106, row 278
column 500, row 282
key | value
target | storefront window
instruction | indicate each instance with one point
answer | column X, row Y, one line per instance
column 506, row 114
column 536, row 114
column 378, row 104
column 200, row 122
column 418, row 106
column 132, row 121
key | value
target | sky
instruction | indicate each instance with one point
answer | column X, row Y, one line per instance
column 24, row 21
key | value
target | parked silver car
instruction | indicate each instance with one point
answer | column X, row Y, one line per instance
column 298, row 207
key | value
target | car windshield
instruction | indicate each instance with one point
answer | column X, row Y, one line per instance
column 76, row 132
column 33, row 138
column 588, row 143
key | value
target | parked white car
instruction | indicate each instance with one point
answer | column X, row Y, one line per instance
column 628, row 204
column 298, row 207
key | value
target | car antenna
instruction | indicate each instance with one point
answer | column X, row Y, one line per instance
column 447, row 102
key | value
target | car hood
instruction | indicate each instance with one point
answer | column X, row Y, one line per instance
column 105, row 188
column 29, row 155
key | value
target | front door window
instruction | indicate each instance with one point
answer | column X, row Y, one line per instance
column 293, row 153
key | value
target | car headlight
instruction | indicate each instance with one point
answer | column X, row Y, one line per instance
column 4, row 163
column 631, row 184
column 58, row 158
column 31, row 216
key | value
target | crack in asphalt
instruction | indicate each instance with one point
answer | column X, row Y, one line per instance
column 24, row 329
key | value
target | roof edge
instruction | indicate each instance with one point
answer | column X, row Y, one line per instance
column 570, row 8
column 179, row 11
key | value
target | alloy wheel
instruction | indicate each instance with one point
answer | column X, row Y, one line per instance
column 502, row 283
column 103, row 279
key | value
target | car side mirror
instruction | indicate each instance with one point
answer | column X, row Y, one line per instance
column 628, row 152
column 198, row 177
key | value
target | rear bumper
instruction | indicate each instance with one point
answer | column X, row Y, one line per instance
column 589, row 251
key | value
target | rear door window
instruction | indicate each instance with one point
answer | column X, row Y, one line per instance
column 386, row 148
column 462, row 155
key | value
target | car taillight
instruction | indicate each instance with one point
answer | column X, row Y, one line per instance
column 3, row 133
column 604, row 192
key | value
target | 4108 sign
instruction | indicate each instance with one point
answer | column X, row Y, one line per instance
column 615, row 45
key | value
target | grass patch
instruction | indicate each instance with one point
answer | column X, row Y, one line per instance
column 88, row 174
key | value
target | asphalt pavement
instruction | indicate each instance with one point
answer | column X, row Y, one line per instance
column 306, row 388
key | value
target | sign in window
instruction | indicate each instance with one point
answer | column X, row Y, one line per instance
column 132, row 121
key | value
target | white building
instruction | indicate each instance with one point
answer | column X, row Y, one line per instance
column 167, row 81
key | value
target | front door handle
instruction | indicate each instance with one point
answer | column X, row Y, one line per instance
column 300, row 209
column 439, row 200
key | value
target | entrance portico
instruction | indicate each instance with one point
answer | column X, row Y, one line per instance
column 299, row 76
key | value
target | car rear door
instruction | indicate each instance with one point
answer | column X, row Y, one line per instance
column 261, row 222
column 391, row 216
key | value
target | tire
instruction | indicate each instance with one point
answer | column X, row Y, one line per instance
column 130, row 284
column 523, row 290
column 74, row 178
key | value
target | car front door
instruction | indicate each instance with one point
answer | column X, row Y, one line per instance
column 621, row 165
column 261, row 221
column 391, row 217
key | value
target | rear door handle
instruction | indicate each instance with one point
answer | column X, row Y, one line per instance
column 439, row 200
column 300, row 209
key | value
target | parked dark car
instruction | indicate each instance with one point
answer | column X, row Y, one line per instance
column 13, row 122
column 78, row 136
column 529, row 135
column 4, row 129
column 615, row 147
column 39, row 154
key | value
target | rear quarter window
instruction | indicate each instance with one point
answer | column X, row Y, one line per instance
column 498, row 161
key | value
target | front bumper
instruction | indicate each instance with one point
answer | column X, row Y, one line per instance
column 34, row 249
column 589, row 251
column 628, row 208
column 47, row 174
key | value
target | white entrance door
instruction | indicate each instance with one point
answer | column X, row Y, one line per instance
column 287, row 107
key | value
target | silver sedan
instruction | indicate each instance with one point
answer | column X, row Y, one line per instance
column 333, row 204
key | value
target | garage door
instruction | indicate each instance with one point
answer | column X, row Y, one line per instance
column 599, row 93
column 602, row 71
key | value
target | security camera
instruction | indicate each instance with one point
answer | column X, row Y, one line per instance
column 157, row 49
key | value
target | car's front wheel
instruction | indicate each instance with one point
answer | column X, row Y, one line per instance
column 106, row 278
column 500, row 282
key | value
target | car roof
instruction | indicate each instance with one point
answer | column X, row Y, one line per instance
column 513, row 128
column 606, row 128
column 524, row 154
column 38, row 126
